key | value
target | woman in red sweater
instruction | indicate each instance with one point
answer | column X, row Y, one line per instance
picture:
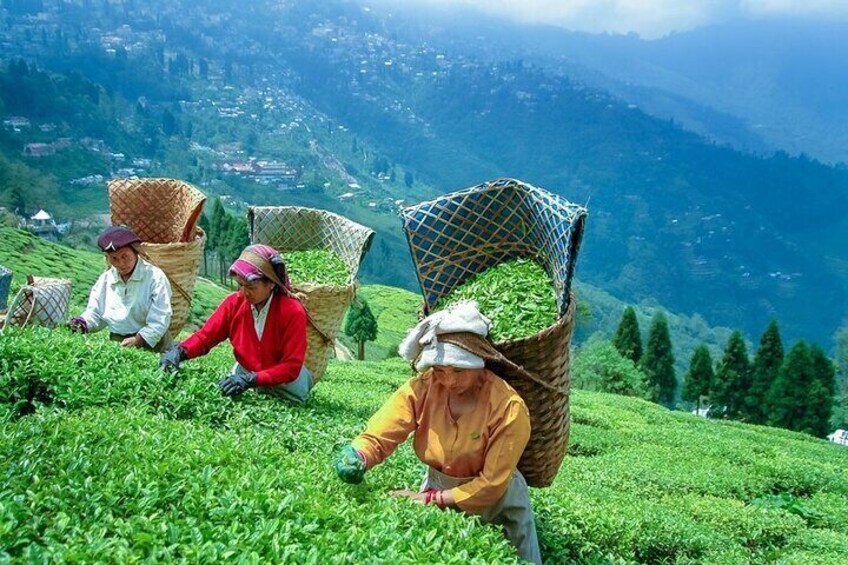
column 266, row 326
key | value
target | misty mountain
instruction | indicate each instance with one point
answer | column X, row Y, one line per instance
column 759, row 85
column 677, row 219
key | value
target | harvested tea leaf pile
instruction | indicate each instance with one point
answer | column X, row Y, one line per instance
column 517, row 296
column 316, row 266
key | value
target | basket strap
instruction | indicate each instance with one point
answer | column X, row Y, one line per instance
column 16, row 304
column 174, row 284
column 310, row 319
column 479, row 345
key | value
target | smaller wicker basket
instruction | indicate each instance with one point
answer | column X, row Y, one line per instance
column 42, row 301
column 294, row 228
column 164, row 214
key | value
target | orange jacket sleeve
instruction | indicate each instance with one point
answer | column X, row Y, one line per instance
column 391, row 424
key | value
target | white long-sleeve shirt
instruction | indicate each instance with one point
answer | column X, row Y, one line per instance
column 142, row 305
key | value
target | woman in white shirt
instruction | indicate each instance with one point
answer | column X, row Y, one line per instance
column 132, row 298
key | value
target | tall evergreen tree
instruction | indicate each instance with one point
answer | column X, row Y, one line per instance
column 820, row 396
column 787, row 397
column 361, row 325
column 767, row 363
column 697, row 381
column 216, row 223
column 732, row 381
column 627, row 338
column 658, row 362
column 839, row 417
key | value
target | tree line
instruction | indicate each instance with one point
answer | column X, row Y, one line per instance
column 801, row 390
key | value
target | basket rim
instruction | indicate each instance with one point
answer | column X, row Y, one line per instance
column 353, row 273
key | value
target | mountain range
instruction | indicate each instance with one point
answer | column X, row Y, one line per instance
column 718, row 220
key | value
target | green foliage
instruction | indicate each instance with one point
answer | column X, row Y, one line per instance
column 839, row 416
column 732, row 382
column 516, row 295
column 658, row 362
column 119, row 462
column 128, row 464
column 698, row 379
column 316, row 266
column 788, row 398
column 600, row 367
column 627, row 338
column 360, row 324
column 687, row 332
column 764, row 371
column 821, row 392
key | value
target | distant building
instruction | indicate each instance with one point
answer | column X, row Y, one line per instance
column 16, row 122
column 839, row 436
column 43, row 225
column 39, row 149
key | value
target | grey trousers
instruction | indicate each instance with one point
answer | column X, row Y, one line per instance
column 512, row 511
column 296, row 391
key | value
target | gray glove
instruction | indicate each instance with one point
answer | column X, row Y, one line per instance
column 237, row 383
column 78, row 325
column 170, row 360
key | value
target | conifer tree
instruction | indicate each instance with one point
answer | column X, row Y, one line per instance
column 658, row 362
column 820, row 395
column 732, row 381
column 215, row 224
column 839, row 416
column 627, row 338
column 787, row 404
column 698, row 379
column 764, row 371
column 361, row 325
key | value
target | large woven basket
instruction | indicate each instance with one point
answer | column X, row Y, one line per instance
column 164, row 214
column 42, row 301
column 158, row 210
column 5, row 284
column 294, row 228
column 459, row 235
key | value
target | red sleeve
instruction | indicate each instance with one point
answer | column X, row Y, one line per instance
column 292, row 336
column 214, row 331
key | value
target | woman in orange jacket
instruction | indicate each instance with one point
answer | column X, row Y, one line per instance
column 470, row 428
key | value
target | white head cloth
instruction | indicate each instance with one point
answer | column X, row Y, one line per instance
column 422, row 341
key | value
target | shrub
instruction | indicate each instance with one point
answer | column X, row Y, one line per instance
column 600, row 367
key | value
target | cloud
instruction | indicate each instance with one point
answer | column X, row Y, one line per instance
column 648, row 18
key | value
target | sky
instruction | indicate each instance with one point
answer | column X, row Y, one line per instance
column 648, row 18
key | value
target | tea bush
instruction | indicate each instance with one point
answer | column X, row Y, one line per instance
column 104, row 458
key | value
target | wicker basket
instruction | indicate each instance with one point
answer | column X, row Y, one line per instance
column 158, row 210
column 5, row 284
column 42, row 301
column 461, row 234
column 293, row 228
column 164, row 214
column 181, row 263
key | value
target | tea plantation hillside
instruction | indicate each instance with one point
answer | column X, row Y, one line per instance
column 25, row 254
column 104, row 458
